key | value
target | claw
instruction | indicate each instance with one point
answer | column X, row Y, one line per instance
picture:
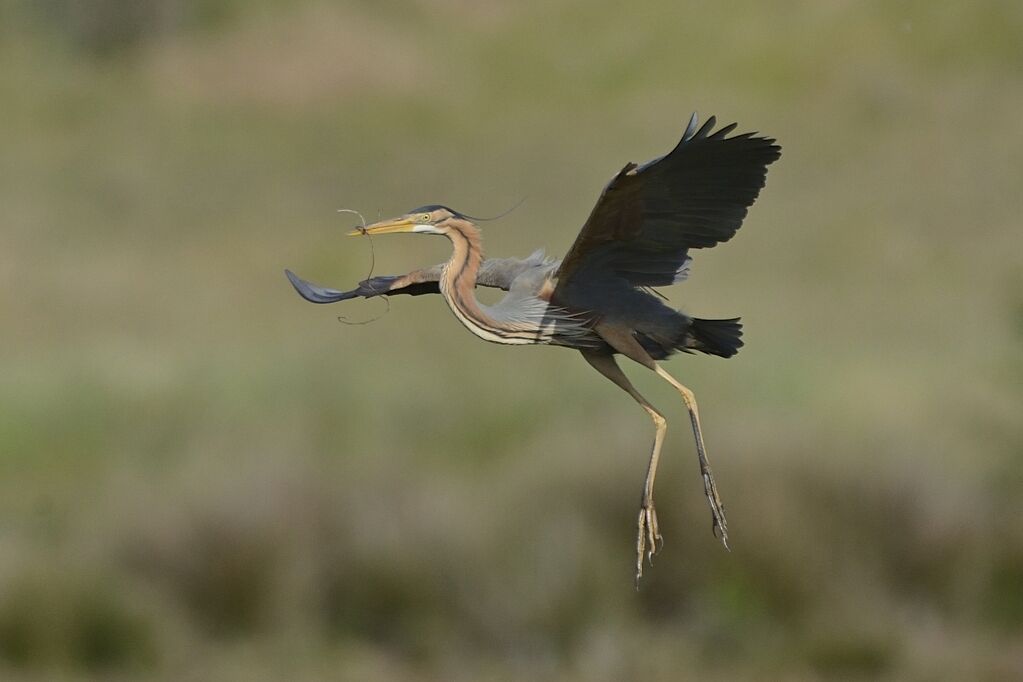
column 719, row 525
column 653, row 534
column 648, row 538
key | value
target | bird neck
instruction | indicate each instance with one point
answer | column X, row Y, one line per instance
column 458, row 285
column 464, row 265
column 458, row 278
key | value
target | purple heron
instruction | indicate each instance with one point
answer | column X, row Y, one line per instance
column 598, row 298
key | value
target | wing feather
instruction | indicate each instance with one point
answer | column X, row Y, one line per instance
column 650, row 215
column 498, row 273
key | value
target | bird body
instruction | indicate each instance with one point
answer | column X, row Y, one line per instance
column 599, row 299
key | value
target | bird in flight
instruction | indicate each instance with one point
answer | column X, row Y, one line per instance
column 599, row 298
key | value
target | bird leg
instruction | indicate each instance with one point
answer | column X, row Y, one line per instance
column 648, row 535
column 717, row 510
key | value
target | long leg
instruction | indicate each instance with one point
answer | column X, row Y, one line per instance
column 717, row 510
column 648, row 535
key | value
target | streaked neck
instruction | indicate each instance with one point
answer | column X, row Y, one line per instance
column 458, row 284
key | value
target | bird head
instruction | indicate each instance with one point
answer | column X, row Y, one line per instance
column 432, row 219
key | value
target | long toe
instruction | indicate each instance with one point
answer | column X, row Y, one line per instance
column 719, row 524
column 648, row 538
column 641, row 540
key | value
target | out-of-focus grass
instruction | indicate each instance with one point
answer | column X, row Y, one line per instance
column 203, row 477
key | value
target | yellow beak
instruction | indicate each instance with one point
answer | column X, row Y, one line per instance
column 385, row 227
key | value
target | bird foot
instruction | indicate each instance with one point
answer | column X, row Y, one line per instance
column 648, row 537
column 719, row 525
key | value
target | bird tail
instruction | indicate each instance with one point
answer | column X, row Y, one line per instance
column 714, row 337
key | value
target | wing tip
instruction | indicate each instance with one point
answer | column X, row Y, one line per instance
column 691, row 127
column 695, row 131
column 314, row 293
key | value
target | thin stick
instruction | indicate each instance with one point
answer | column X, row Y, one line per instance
column 372, row 266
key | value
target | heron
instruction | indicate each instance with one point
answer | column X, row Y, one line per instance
column 600, row 299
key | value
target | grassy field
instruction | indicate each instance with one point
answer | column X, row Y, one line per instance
column 202, row 477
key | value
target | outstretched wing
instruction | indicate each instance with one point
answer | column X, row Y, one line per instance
column 649, row 216
column 498, row 273
column 375, row 286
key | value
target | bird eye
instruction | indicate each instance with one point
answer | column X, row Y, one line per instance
column 425, row 217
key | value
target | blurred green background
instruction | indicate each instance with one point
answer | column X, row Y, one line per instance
column 203, row 477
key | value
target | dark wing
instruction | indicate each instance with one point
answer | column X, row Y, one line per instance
column 649, row 216
column 374, row 286
column 415, row 283
column 494, row 272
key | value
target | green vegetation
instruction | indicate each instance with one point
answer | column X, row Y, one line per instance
column 203, row 477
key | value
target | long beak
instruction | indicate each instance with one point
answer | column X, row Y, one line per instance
column 385, row 227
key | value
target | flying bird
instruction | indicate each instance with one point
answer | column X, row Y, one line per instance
column 599, row 298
